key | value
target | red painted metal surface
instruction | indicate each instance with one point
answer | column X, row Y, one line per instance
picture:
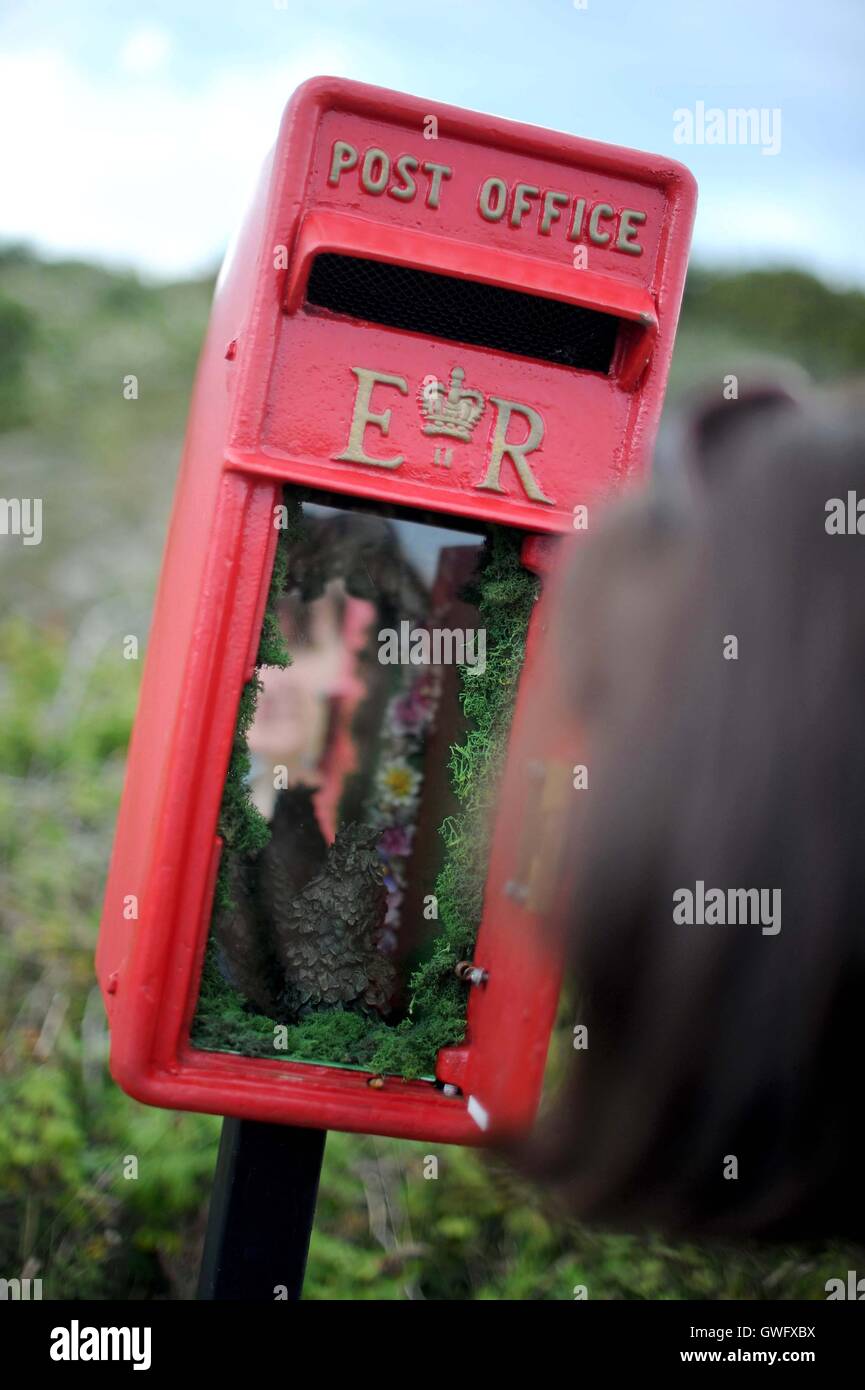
column 274, row 402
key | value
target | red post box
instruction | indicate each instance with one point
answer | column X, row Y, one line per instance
column 435, row 326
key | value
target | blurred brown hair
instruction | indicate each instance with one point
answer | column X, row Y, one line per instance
column 712, row 1041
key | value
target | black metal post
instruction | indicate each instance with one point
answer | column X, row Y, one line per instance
column 261, row 1212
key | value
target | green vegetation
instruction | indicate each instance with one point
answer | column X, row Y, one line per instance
column 477, row 1233
column 17, row 326
column 771, row 316
column 105, row 466
column 67, row 1211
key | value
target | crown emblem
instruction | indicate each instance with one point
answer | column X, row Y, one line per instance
column 454, row 412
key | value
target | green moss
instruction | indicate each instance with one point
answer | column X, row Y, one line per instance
column 225, row 1022
column 504, row 594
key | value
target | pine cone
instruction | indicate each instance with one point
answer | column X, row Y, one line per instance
column 325, row 937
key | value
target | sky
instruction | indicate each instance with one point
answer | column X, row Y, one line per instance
column 133, row 130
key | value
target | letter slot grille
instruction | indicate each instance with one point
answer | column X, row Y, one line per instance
column 463, row 311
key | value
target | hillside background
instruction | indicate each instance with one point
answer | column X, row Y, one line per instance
column 105, row 468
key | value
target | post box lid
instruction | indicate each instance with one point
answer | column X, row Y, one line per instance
column 472, row 315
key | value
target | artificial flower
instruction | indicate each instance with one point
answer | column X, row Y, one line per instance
column 398, row 783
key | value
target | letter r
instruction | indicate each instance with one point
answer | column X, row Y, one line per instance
column 515, row 452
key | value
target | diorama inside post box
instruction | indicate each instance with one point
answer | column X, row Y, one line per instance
column 440, row 343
